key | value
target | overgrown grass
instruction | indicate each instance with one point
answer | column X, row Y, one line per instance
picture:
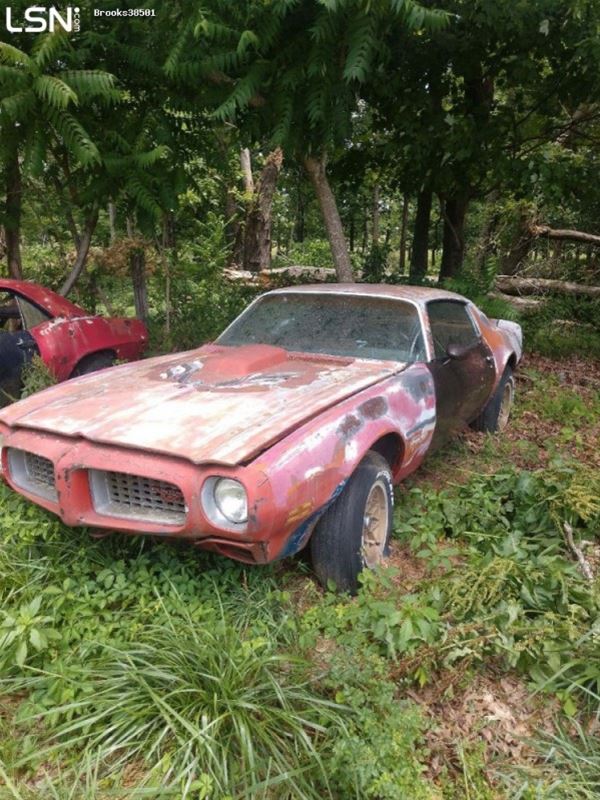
column 125, row 652
column 214, row 704
column 35, row 377
column 564, row 326
column 569, row 767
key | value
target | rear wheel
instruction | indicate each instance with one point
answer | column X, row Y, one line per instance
column 494, row 417
column 93, row 363
column 353, row 534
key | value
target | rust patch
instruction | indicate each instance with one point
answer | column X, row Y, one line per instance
column 349, row 426
column 299, row 512
column 374, row 408
column 416, row 387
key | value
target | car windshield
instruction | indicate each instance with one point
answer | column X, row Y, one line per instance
column 338, row 325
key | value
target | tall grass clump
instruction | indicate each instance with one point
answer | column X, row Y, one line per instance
column 212, row 702
column 568, row 764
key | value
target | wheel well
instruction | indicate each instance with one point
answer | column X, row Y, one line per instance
column 512, row 361
column 106, row 352
column 391, row 447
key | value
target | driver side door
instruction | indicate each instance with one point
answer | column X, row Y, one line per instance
column 462, row 367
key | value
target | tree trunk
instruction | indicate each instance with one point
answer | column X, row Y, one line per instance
column 376, row 215
column 12, row 226
column 246, row 164
column 231, row 220
column 420, row 249
column 453, row 252
column 299, row 219
column 259, row 222
column 112, row 221
column 137, row 267
column 403, row 232
column 85, row 239
column 488, row 229
column 521, row 244
column 316, row 169
column 67, row 211
column 169, row 249
column 557, row 250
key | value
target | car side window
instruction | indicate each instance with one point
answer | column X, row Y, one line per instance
column 31, row 314
column 450, row 324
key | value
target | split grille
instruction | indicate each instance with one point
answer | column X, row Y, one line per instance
column 40, row 469
column 33, row 473
column 119, row 494
column 114, row 494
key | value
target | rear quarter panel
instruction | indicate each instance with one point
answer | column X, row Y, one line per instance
column 64, row 342
column 503, row 346
column 307, row 469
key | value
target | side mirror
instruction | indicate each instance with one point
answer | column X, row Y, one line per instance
column 458, row 351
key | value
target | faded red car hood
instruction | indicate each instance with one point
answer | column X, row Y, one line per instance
column 215, row 404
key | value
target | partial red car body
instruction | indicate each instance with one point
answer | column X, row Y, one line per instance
column 66, row 334
column 141, row 448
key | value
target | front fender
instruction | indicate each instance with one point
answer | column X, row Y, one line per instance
column 308, row 467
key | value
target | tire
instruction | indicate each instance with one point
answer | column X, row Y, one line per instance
column 93, row 363
column 340, row 547
column 494, row 417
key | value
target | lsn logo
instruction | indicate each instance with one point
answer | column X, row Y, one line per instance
column 38, row 19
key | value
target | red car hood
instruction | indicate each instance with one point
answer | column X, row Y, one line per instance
column 215, row 404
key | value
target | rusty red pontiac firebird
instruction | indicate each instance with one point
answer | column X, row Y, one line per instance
column 289, row 430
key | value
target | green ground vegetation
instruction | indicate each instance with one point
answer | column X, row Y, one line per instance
column 467, row 668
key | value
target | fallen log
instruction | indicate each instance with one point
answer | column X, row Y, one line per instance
column 266, row 276
column 524, row 304
column 564, row 234
column 513, row 285
column 317, row 274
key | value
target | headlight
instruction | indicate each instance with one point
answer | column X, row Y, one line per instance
column 231, row 500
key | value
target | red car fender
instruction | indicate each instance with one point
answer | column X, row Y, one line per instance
column 306, row 469
column 498, row 343
column 63, row 343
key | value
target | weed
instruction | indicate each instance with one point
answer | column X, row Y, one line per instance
column 36, row 376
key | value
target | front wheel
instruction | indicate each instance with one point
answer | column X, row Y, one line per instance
column 354, row 533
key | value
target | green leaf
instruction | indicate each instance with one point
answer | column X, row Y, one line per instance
column 54, row 91
column 34, row 606
column 21, row 654
column 569, row 706
column 14, row 56
column 37, row 639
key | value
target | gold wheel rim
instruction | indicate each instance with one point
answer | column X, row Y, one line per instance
column 505, row 405
column 375, row 525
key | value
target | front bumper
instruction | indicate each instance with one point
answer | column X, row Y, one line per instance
column 76, row 462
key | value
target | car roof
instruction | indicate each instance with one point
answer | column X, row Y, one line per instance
column 51, row 302
column 415, row 294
